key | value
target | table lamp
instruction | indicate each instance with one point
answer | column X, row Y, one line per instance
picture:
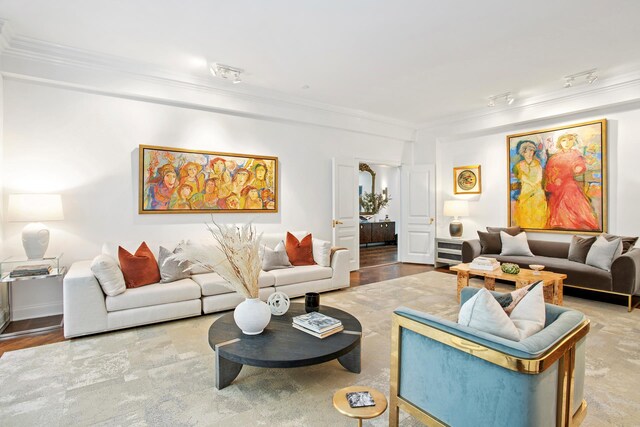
column 456, row 209
column 33, row 208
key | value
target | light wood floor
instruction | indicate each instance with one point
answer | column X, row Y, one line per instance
column 358, row 278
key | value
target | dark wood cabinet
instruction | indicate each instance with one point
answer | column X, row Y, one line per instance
column 377, row 232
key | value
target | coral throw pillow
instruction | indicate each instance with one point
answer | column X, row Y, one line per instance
column 140, row 268
column 300, row 252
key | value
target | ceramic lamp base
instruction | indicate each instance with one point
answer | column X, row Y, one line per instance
column 455, row 229
column 35, row 240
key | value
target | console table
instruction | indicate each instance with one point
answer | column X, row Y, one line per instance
column 377, row 232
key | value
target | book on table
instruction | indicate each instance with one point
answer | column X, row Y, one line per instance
column 31, row 270
column 484, row 263
column 316, row 322
column 324, row 334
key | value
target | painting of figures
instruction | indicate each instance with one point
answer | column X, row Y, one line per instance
column 557, row 179
column 173, row 180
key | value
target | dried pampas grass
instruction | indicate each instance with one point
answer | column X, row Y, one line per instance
column 235, row 258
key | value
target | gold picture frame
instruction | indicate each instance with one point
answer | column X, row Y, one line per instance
column 557, row 179
column 179, row 181
column 467, row 180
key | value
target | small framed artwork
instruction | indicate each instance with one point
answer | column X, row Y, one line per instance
column 466, row 180
column 178, row 181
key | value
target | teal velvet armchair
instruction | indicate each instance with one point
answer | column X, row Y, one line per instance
column 444, row 373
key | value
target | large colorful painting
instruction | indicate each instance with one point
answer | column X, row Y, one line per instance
column 557, row 179
column 174, row 180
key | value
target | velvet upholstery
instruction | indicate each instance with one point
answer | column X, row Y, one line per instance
column 479, row 392
column 624, row 277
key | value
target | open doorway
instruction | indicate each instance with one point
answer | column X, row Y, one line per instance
column 379, row 195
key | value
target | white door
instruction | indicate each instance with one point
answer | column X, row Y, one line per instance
column 418, row 212
column 345, row 208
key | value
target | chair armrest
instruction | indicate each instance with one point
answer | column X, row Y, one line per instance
column 531, row 355
column 85, row 311
column 625, row 273
column 340, row 258
column 471, row 249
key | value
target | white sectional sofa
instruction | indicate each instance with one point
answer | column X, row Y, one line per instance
column 87, row 310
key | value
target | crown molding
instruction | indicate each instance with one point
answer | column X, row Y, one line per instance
column 608, row 92
column 22, row 48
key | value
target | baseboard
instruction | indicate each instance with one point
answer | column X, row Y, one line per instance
column 37, row 310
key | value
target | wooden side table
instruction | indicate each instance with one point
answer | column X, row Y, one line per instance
column 341, row 403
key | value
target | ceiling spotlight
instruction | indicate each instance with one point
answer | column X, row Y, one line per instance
column 507, row 98
column 589, row 75
column 226, row 72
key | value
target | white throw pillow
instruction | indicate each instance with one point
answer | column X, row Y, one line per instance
column 484, row 313
column 515, row 245
column 603, row 252
column 275, row 259
column 322, row 252
column 530, row 314
column 109, row 275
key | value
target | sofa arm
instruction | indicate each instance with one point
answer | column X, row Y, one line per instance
column 340, row 258
column 471, row 249
column 625, row 273
column 85, row 311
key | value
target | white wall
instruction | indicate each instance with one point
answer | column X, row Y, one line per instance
column 84, row 146
column 489, row 150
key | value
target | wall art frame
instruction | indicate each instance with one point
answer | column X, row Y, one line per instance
column 557, row 179
column 467, row 180
column 181, row 181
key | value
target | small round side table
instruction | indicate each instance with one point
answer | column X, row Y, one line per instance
column 341, row 403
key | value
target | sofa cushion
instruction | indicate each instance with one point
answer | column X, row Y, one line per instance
column 108, row 274
column 490, row 242
column 300, row 251
column 577, row 274
column 603, row 252
column 139, row 269
column 579, row 248
column 155, row 294
column 303, row 273
column 513, row 231
column 213, row 283
column 627, row 242
column 515, row 245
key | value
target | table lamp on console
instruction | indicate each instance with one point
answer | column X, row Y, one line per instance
column 33, row 208
column 456, row 209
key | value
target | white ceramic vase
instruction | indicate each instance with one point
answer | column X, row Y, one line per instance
column 252, row 315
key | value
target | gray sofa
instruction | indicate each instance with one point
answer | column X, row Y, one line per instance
column 623, row 279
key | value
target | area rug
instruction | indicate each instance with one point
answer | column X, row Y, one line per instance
column 164, row 374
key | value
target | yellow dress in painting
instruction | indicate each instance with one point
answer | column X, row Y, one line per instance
column 531, row 206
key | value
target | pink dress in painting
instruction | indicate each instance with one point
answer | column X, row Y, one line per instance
column 569, row 207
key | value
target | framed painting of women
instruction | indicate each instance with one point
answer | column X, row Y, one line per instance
column 558, row 179
column 175, row 180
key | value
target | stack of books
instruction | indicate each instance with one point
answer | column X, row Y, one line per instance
column 485, row 264
column 317, row 324
column 31, row 270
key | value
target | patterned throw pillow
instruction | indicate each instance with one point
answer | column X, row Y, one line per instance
column 510, row 300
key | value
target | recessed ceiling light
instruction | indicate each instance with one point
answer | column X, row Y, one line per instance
column 305, row 87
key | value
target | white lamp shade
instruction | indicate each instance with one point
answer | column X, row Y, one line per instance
column 456, row 208
column 35, row 207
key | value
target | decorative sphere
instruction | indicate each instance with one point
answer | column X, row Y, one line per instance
column 278, row 303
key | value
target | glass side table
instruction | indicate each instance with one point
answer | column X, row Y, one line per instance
column 12, row 272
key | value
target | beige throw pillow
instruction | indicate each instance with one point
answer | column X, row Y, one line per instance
column 109, row 275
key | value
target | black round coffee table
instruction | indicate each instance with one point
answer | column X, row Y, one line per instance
column 280, row 345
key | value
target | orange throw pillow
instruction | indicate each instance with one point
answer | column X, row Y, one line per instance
column 299, row 252
column 139, row 269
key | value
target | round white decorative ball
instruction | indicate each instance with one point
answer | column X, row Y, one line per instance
column 278, row 303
